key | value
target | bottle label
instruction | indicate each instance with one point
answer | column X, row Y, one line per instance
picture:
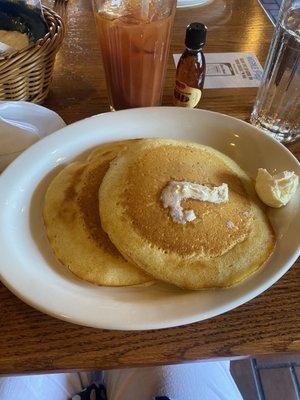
column 186, row 96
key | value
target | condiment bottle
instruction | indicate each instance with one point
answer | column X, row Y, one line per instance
column 190, row 72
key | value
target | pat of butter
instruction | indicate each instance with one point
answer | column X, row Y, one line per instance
column 176, row 191
column 276, row 190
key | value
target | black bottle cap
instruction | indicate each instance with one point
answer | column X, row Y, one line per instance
column 195, row 36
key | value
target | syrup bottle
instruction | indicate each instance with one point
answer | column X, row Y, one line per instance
column 190, row 72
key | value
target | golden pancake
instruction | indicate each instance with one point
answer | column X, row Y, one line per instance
column 71, row 216
column 110, row 150
column 225, row 243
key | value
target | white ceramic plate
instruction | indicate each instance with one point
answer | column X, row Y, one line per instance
column 29, row 269
column 192, row 3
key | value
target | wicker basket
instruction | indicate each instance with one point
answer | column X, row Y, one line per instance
column 27, row 74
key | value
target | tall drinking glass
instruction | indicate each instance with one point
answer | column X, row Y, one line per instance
column 135, row 38
column 277, row 106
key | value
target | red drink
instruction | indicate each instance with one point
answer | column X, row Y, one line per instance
column 135, row 48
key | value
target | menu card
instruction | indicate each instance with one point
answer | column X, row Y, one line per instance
column 230, row 70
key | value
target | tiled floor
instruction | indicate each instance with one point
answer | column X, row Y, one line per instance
column 268, row 378
column 272, row 8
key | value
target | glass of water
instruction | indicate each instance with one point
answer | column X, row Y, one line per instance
column 277, row 106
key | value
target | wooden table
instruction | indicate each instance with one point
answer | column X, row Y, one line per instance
column 31, row 341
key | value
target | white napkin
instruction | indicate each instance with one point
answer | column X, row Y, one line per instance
column 21, row 125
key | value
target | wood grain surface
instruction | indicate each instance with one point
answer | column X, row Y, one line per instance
column 33, row 342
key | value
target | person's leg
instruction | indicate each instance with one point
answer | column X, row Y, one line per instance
column 201, row 380
column 43, row 387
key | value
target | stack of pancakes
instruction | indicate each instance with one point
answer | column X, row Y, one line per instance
column 106, row 222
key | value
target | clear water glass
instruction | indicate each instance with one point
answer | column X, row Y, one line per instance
column 277, row 106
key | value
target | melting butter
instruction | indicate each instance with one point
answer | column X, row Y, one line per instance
column 175, row 192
